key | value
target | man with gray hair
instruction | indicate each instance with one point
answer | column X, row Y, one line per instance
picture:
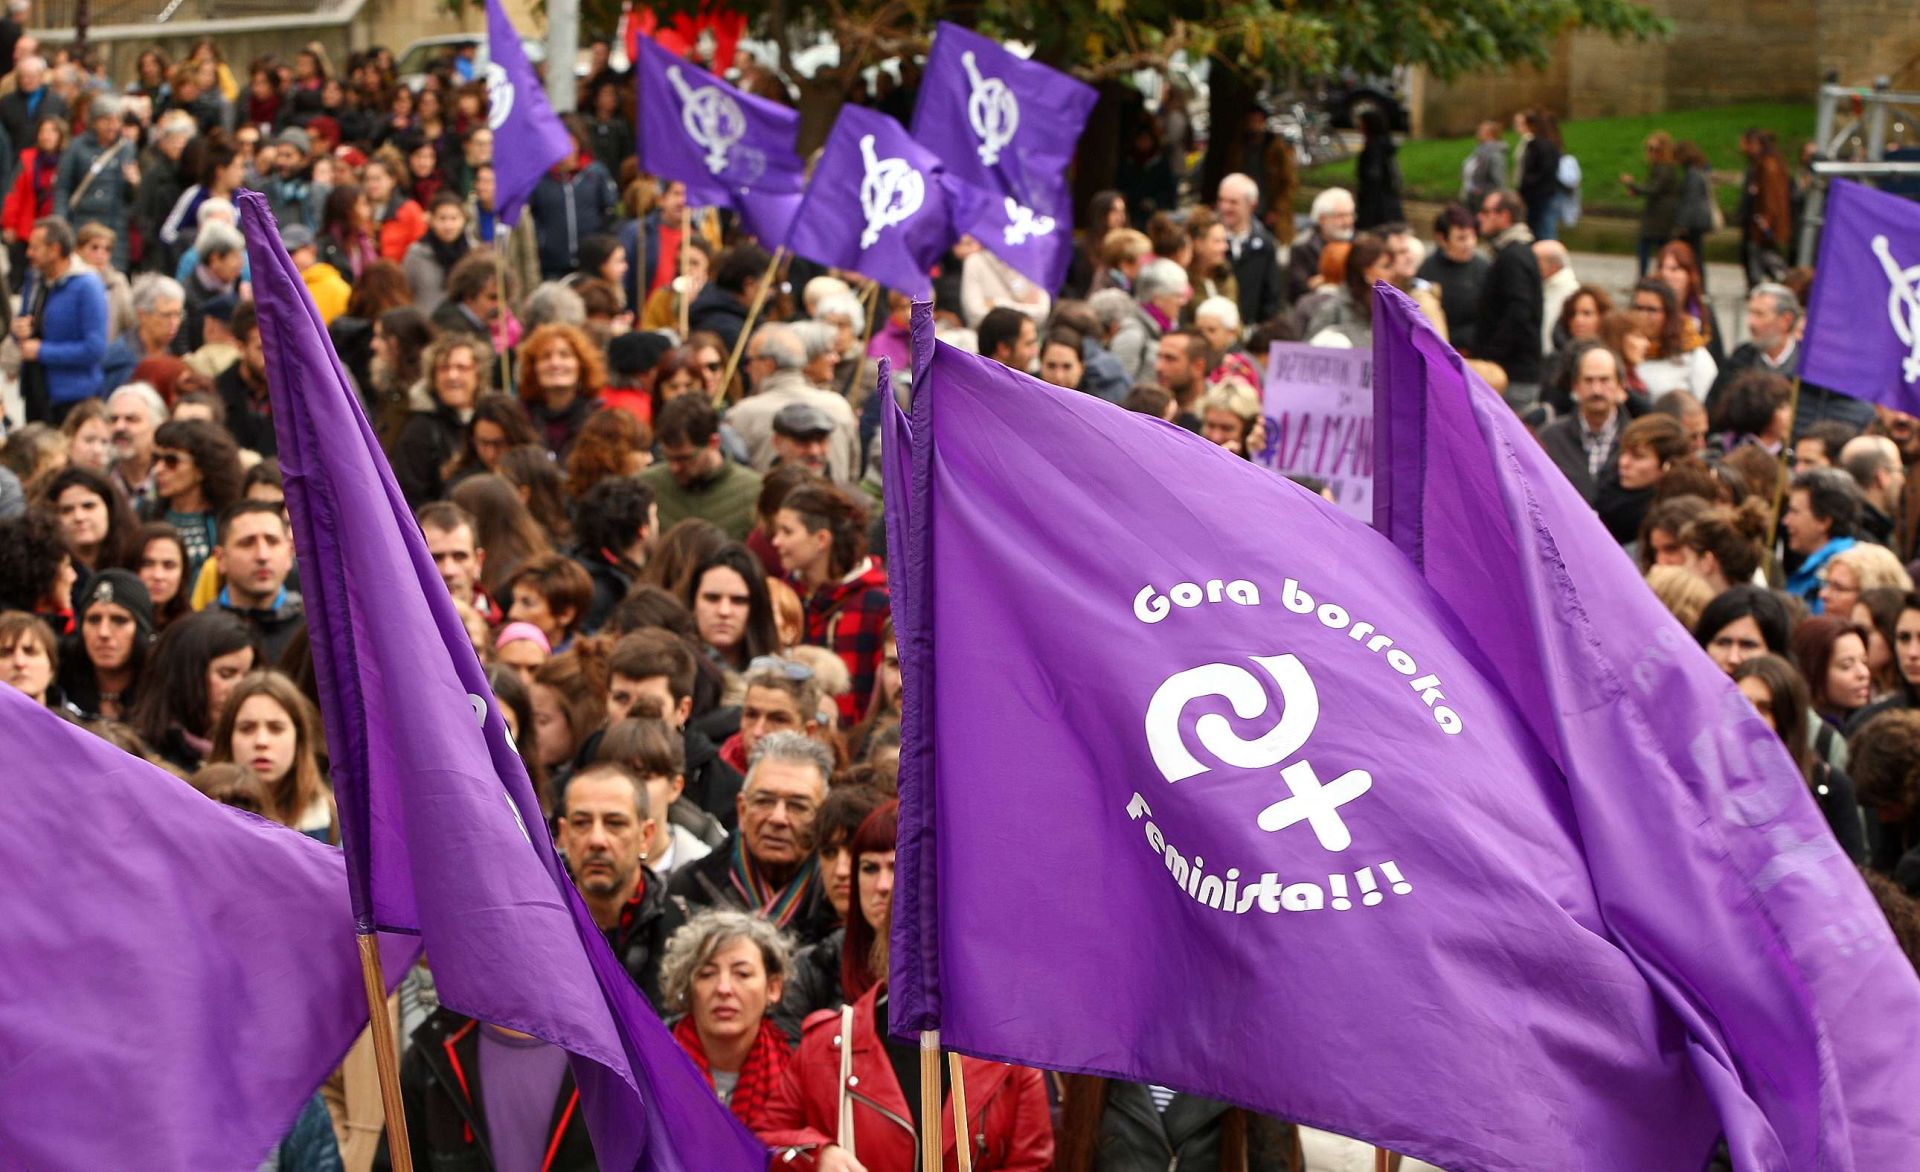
column 1774, row 321
column 98, row 176
column 775, row 363
column 134, row 412
column 161, row 183
column 1252, row 250
column 768, row 866
column 222, row 254
column 1333, row 216
column 1874, row 463
column 30, row 101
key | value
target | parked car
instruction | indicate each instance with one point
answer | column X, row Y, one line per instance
column 412, row 64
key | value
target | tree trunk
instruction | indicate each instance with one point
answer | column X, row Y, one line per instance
column 1230, row 95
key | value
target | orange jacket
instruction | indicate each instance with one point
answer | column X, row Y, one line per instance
column 1006, row 1105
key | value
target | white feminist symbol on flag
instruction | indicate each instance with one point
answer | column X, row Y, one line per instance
column 1313, row 801
column 711, row 118
column 1903, row 306
column 1023, row 225
column 891, row 192
column 499, row 95
column 992, row 109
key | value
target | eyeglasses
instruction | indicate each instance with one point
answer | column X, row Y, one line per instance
column 172, row 459
column 798, row 672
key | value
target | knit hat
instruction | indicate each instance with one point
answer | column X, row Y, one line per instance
column 121, row 588
column 295, row 137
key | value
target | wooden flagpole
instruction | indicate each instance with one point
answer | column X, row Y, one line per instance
column 962, row 1142
column 872, row 305
column 500, row 282
column 746, row 328
column 686, row 251
column 1786, row 474
column 386, row 1055
column 930, row 1160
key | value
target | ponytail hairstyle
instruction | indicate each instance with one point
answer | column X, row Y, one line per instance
column 821, row 505
column 1735, row 536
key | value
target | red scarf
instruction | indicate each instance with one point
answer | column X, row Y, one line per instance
column 766, row 1062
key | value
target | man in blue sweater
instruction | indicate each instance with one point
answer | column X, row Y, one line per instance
column 63, row 333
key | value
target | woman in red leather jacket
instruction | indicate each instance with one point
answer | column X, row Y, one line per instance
column 1007, row 1120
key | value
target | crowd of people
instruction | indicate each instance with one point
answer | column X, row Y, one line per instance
column 657, row 513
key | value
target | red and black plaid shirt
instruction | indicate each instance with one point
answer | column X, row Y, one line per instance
column 847, row 618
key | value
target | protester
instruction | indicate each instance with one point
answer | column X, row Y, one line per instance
column 268, row 726
column 1511, row 305
column 1741, row 622
column 1007, row 1105
column 29, row 657
column 106, row 661
column 1780, row 695
column 821, row 538
column 606, row 820
column 724, row 971
column 767, row 867
column 1584, row 445
column 193, row 669
column 1678, row 359
column 813, row 980
column 1823, row 506
column 1261, row 281
column 655, row 750
column 255, row 557
column 196, row 468
column 97, row 524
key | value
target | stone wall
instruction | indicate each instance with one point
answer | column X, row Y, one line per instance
column 1721, row 52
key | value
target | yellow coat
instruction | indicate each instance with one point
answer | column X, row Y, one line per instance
column 329, row 289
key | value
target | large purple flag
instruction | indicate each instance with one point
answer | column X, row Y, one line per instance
column 1711, row 865
column 731, row 148
column 179, row 978
column 879, row 203
column 1351, row 877
column 528, row 137
column 1863, row 322
column 1007, row 127
column 443, row 833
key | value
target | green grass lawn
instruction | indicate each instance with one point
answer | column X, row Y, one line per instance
column 1605, row 148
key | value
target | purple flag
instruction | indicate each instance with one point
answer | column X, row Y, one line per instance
column 731, row 148
column 1006, row 126
column 178, row 982
column 1863, row 321
column 1354, row 884
column 528, row 137
column 443, row 833
column 1711, row 865
column 878, row 204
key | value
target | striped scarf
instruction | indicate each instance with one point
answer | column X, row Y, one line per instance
column 759, row 1074
column 762, row 898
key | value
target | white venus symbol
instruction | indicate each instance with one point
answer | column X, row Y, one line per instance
column 889, row 194
column 499, row 95
column 1903, row 306
column 992, row 110
column 711, row 118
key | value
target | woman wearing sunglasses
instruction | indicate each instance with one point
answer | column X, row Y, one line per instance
column 197, row 474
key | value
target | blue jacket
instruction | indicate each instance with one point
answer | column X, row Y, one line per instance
column 73, row 333
column 1806, row 580
column 565, row 212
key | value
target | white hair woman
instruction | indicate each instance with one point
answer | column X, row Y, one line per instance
column 723, row 970
column 1218, row 320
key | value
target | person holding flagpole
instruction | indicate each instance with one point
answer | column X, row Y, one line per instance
column 808, row 1121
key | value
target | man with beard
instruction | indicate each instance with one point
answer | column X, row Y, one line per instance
column 243, row 387
column 605, row 823
column 1333, row 217
column 1875, row 465
column 134, row 412
column 768, row 867
column 695, row 477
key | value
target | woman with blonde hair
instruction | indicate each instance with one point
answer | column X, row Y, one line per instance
column 270, row 727
column 1228, row 412
column 1857, row 569
column 1684, row 594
